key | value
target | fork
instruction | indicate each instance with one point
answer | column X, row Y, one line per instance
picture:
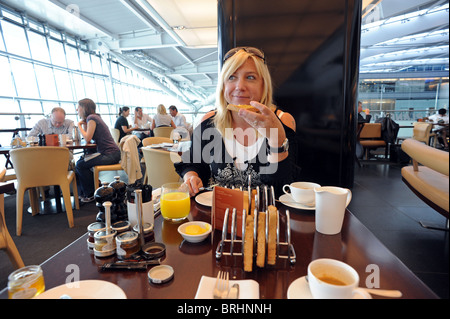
column 221, row 287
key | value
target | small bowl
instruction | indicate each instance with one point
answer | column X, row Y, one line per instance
column 194, row 238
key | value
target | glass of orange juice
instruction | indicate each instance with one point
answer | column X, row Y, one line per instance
column 26, row 283
column 175, row 201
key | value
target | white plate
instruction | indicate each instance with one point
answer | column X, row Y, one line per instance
column 85, row 289
column 205, row 199
column 287, row 200
column 299, row 289
column 166, row 144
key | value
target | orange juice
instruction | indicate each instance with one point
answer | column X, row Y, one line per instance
column 26, row 283
column 175, row 205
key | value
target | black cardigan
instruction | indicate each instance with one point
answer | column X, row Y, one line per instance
column 210, row 160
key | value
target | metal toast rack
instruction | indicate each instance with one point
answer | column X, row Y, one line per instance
column 229, row 246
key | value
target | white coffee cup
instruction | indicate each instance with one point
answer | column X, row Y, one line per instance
column 62, row 139
column 302, row 192
column 333, row 279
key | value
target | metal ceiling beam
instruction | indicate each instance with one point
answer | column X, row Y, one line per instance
column 204, row 67
column 150, row 41
column 155, row 16
column 130, row 5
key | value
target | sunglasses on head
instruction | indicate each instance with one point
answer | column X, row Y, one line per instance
column 254, row 51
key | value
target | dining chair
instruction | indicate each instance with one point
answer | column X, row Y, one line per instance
column 155, row 140
column 43, row 166
column 162, row 131
column 150, row 141
column 159, row 166
column 422, row 132
column 370, row 138
column 115, row 133
column 6, row 241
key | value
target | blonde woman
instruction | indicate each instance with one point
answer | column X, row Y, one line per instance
column 231, row 148
column 162, row 118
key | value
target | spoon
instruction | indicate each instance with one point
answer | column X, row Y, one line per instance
column 380, row 292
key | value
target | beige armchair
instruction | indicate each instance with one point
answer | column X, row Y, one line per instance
column 159, row 166
column 162, row 131
column 422, row 132
column 43, row 166
column 429, row 181
column 370, row 138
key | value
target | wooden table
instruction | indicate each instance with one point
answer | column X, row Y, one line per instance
column 355, row 245
column 71, row 146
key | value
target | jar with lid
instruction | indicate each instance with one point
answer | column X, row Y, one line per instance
column 148, row 231
column 104, row 243
column 92, row 229
column 121, row 226
column 127, row 245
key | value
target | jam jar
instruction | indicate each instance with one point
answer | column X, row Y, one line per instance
column 127, row 245
column 148, row 231
column 92, row 229
column 121, row 226
column 104, row 243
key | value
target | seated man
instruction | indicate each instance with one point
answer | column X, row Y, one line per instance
column 55, row 124
column 363, row 118
column 180, row 122
column 440, row 118
column 142, row 120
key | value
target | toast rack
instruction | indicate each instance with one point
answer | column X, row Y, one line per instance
column 229, row 245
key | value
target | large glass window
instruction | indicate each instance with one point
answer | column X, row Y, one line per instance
column 59, row 71
column 15, row 40
column 45, row 78
column 6, row 83
column 25, row 79
column 38, row 47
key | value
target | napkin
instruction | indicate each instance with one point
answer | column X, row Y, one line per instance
column 248, row 289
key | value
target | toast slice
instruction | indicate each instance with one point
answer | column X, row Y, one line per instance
column 236, row 108
column 272, row 236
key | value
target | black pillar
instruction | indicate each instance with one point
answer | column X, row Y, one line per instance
column 312, row 49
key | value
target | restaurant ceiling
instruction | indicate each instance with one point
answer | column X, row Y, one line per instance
column 175, row 41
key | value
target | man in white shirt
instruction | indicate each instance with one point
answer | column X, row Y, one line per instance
column 55, row 124
column 180, row 122
column 440, row 118
column 142, row 121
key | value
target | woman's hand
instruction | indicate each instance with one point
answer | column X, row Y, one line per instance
column 194, row 182
column 82, row 124
column 267, row 123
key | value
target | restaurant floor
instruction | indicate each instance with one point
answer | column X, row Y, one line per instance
column 380, row 200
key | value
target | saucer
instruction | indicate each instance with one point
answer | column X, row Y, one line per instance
column 287, row 200
column 205, row 199
column 299, row 289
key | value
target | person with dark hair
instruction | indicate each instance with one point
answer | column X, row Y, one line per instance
column 441, row 130
column 182, row 128
column 92, row 127
column 122, row 122
column 143, row 121
column 363, row 118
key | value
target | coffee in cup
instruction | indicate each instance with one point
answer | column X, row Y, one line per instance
column 302, row 192
column 333, row 279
